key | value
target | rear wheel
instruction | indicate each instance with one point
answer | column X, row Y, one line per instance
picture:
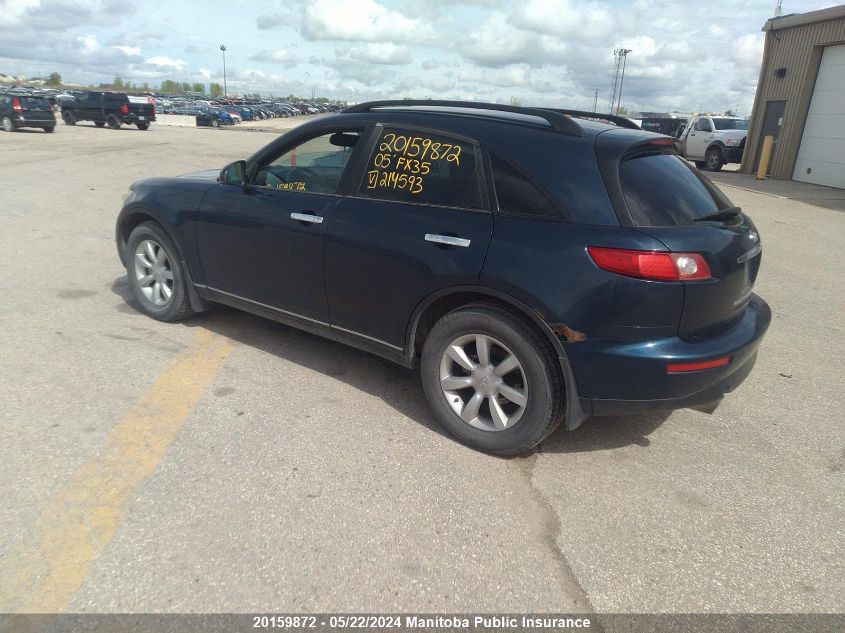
column 143, row 126
column 99, row 123
column 155, row 274
column 49, row 129
column 492, row 380
column 215, row 122
column 8, row 125
column 113, row 122
column 68, row 118
column 714, row 159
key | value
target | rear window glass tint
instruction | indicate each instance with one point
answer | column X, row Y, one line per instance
column 34, row 103
column 422, row 168
column 516, row 194
column 662, row 190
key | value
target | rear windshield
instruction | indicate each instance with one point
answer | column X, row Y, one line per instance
column 662, row 190
column 34, row 103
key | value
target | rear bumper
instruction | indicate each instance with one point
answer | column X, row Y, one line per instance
column 33, row 121
column 616, row 378
column 132, row 119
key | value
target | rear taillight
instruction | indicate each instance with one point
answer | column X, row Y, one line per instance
column 124, row 108
column 152, row 102
column 16, row 105
column 656, row 265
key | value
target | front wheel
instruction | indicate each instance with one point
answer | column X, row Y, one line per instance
column 68, row 118
column 49, row 129
column 215, row 122
column 155, row 274
column 492, row 380
column 113, row 122
column 8, row 125
column 714, row 160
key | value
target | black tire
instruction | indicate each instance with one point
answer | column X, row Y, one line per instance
column 113, row 122
column 713, row 159
column 49, row 129
column 700, row 164
column 544, row 409
column 8, row 125
column 215, row 123
column 100, row 123
column 178, row 306
column 143, row 126
column 69, row 118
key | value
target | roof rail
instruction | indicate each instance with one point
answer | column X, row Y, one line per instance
column 555, row 118
column 620, row 121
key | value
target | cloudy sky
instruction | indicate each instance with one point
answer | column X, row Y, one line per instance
column 684, row 56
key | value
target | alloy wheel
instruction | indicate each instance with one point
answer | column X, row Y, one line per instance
column 153, row 272
column 484, row 382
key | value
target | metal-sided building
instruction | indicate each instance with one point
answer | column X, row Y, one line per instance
column 801, row 98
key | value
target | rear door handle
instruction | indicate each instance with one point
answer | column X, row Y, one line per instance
column 307, row 217
column 447, row 239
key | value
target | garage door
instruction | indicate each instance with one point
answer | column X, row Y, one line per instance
column 821, row 158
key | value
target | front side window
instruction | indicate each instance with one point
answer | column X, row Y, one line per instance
column 422, row 168
column 315, row 166
column 703, row 125
column 516, row 194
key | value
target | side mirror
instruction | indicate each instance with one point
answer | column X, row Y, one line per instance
column 233, row 174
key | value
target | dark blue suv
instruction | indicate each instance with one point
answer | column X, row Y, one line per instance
column 540, row 266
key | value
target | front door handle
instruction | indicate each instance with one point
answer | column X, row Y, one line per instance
column 307, row 217
column 448, row 240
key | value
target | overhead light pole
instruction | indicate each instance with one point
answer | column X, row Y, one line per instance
column 623, row 52
column 225, row 91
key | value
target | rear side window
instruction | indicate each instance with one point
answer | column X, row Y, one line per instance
column 516, row 194
column 662, row 190
column 422, row 168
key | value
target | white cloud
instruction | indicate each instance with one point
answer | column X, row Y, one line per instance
column 129, row 50
column 278, row 56
column 89, row 43
column 165, row 61
column 562, row 17
column 381, row 53
column 362, row 21
column 205, row 72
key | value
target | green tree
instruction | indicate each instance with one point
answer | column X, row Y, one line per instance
column 169, row 86
column 516, row 101
column 216, row 90
column 55, row 79
column 145, row 87
column 198, row 87
column 118, row 84
column 186, row 87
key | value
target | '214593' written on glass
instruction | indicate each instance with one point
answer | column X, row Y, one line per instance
column 402, row 161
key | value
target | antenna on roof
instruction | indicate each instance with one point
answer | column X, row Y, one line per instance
column 778, row 8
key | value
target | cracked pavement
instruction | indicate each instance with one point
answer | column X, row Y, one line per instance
column 311, row 476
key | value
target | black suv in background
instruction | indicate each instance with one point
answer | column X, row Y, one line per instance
column 538, row 268
column 21, row 110
column 109, row 108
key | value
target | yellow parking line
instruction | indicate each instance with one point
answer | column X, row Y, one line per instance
column 43, row 571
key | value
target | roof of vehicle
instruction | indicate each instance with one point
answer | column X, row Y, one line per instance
column 570, row 122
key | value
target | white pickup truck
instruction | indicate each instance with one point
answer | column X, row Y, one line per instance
column 712, row 141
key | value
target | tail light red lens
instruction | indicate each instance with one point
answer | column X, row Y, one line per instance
column 654, row 265
column 16, row 105
column 124, row 109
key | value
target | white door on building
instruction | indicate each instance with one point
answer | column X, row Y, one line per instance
column 821, row 157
